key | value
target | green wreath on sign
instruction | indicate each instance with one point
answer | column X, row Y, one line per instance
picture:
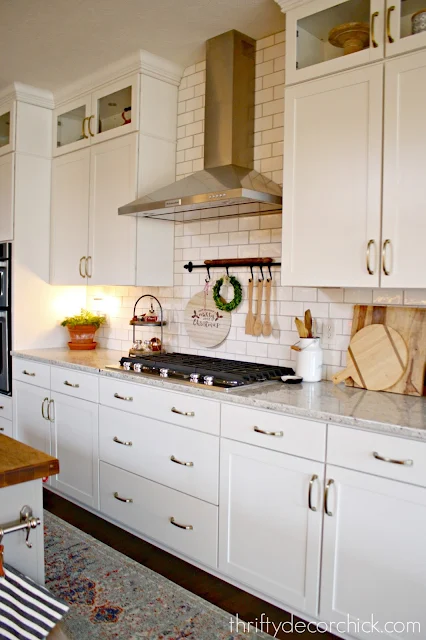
column 236, row 300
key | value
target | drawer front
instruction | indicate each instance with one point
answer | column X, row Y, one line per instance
column 296, row 436
column 183, row 409
column 6, row 427
column 31, row 372
column 75, row 383
column 145, row 446
column 381, row 455
column 152, row 508
column 6, row 407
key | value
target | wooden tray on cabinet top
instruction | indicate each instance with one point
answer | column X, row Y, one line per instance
column 410, row 322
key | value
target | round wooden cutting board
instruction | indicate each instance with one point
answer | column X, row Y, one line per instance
column 205, row 324
column 377, row 358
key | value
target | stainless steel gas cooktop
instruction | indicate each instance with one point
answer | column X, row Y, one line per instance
column 196, row 370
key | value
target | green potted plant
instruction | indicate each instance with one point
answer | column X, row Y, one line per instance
column 82, row 329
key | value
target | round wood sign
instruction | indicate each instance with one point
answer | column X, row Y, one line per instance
column 204, row 322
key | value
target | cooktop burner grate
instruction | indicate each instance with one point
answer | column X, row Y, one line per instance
column 242, row 372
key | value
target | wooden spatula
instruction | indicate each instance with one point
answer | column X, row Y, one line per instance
column 303, row 332
column 250, row 317
column 308, row 322
column 267, row 326
column 257, row 329
column 377, row 358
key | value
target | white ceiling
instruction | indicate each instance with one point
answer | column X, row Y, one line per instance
column 50, row 43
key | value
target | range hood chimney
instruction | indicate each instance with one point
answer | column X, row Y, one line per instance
column 228, row 177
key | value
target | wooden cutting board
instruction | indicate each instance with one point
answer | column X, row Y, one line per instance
column 205, row 324
column 377, row 358
column 410, row 323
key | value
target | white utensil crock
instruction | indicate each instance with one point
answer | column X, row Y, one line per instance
column 309, row 360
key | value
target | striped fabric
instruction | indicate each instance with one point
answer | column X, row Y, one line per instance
column 27, row 611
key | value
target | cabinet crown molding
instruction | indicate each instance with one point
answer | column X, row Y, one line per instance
column 26, row 93
column 286, row 5
column 139, row 62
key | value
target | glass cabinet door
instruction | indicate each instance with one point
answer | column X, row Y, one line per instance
column 328, row 36
column 115, row 109
column 7, row 128
column 405, row 26
column 70, row 126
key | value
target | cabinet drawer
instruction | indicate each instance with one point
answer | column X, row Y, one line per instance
column 6, row 427
column 6, row 407
column 31, row 372
column 296, row 436
column 183, row 409
column 381, row 455
column 150, row 511
column 145, row 446
column 75, row 383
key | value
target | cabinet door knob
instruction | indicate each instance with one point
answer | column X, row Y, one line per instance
column 406, row 463
column 387, row 243
column 118, row 497
column 326, row 496
column 311, row 484
column 388, row 24
column 80, row 267
column 189, row 414
column 371, row 243
column 187, row 527
column 126, row 444
column 126, row 398
column 185, row 464
column 277, row 434
column 373, row 24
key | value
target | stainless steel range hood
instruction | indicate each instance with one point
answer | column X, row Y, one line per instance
column 228, row 177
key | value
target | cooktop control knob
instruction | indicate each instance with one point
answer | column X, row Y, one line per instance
column 194, row 377
column 208, row 380
column 164, row 373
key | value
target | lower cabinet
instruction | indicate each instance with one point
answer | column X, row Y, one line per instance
column 172, row 518
column 6, row 427
column 374, row 556
column 75, row 444
column 270, row 523
column 31, row 415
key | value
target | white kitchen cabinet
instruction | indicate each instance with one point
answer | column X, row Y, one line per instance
column 269, row 537
column 374, row 556
column 70, row 218
column 75, row 444
column 6, row 427
column 7, row 190
column 7, row 127
column 311, row 50
column 30, row 415
column 399, row 27
column 112, row 238
column 404, row 187
column 332, row 180
column 70, row 130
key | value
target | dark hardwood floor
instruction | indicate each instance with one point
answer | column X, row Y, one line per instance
column 216, row 591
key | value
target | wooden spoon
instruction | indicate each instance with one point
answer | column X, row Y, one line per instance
column 250, row 317
column 257, row 329
column 267, row 326
column 303, row 333
column 308, row 322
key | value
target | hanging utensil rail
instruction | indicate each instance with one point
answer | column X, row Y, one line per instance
column 227, row 264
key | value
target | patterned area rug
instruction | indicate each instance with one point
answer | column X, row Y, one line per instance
column 112, row 596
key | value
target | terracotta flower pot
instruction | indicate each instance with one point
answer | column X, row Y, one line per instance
column 82, row 337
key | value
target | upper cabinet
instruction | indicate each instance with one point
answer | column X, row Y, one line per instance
column 7, row 127
column 326, row 36
column 108, row 112
column 405, row 26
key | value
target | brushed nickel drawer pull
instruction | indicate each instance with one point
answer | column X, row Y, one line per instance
column 187, row 527
column 126, row 444
column 126, row 398
column 70, row 384
column 117, row 497
column 27, row 373
column 371, row 243
column 80, row 266
column 327, row 489
column 386, row 270
column 407, row 463
column 189, row 414
column 311, row 484
column 43, row 408
column 50, row 404
column 185, row 464
column 277, row 434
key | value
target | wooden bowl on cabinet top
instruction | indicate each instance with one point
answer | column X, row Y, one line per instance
column 351, row 36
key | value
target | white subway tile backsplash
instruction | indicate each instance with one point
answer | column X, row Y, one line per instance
column 304, row 294
column 258, row 236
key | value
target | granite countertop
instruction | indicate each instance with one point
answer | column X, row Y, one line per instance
column 389, row 413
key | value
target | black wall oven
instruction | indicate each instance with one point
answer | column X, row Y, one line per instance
column 5, row 318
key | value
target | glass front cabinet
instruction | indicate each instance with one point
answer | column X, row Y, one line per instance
column 405, row 26
column 104, row 114
column 7, row 128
